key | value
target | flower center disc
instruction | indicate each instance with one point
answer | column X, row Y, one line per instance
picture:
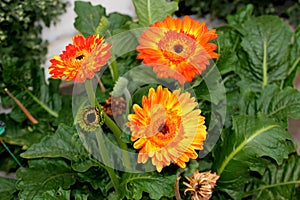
column 91, row 117
column 178, row 48
column 80, row 57
column 163, row 128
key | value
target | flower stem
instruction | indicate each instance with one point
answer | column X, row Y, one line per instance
column 114, row 179
column 117, row 133
column 100, row 140
column 44, row 106
column 109, row 123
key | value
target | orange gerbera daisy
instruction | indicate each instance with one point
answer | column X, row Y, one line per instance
column 81, row 59
column 167, row 128
column 177, row 48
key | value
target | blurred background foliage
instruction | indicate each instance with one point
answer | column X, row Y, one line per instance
column 222, row 8
column 22, row 51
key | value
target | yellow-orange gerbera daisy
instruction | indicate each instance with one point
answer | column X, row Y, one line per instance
column 167, row 128
column 177, row 48
column 81, row 59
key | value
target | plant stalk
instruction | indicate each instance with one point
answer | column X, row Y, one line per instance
column 44, row 106
column 110, row 124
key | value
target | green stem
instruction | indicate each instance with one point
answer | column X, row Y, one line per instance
column 44, row 106
column 265, row 67
column 103, row 151
column 113, row 67
column 290, row 71
column 117, row 133
column 101, row 145
column 90, row 93
column 109, row 123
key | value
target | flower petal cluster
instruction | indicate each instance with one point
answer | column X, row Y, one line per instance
column 177, row 48
column 81, row 59
column 168, row 128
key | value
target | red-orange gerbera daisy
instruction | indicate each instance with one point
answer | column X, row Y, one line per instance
column 81, row 59
column 177, row 48
column 167, row 128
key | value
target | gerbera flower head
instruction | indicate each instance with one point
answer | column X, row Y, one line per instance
column 167, row 128
column 81, row 59
column 177, row 48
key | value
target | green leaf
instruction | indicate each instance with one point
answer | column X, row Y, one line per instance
column 97, row 178
column 88, row 17
column 64, row 143
column 246, row 149
column 150, row 11
column 43, row 175
column 280, row 104
column 155, row 184
column 123, row 42
column 294, row 59
column 117, row 20
column 7, row 188
column 278, row 182
column 265, row 56
column 59, row 194
column 241, row 16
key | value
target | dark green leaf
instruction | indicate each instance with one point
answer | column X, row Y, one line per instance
column 265, row 56
column 278, row 182
column 64, row 143
column 155, row 184
column 241, row 16
column 294, row 59
column 79, row 196
column 59, row 194
column 150, row 11
column 43, row 175
column 7, row 188
column 98, row 178
column 280, row 104
column 88, row 17
column 117, row 21
column 245, row 150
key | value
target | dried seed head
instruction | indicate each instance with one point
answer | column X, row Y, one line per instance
column 201, row 185
column 114, row 106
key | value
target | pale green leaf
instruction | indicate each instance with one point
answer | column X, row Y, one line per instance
column 245, row 149
column 150, row 11
column 43, row 175
column 278, row 182
column 64, row 143
column 155, row 184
